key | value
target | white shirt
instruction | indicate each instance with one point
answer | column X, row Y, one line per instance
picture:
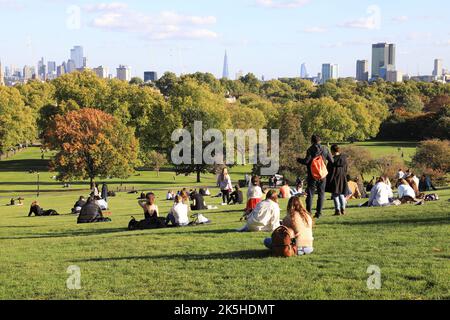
column 180, row 212
column 406, row 191
column 400, row 175
column 265, row 217
column 380, row 194
column 254, row 192
column 102, row 204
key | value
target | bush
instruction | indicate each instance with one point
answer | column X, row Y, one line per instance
column 360, row 161
column 388, row 166
column 433, row 154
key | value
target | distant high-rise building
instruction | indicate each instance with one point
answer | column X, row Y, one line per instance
column 71, row 66
column 77, row 56
column 304, row 71
column 329, row 71
column 383, row 56
column 51, row 67
column 60, row 70
column 101, row 72
column 150, row 76
column 28, row 73
column 394, row 76
column 226, row 73
column 438, row 68
column 42, row 69
column 2, row 78
column 124, row 73
column 362, row 70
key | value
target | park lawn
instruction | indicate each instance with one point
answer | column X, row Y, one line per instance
column 409, row 244
column 380, row 149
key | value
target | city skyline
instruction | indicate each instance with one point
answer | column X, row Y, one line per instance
column 301, row 32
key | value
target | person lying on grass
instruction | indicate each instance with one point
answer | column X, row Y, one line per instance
column 300, row 221
column 91, row 213
column 266, row 216
column 39, row 212
column 178, row 215
column 149, row 206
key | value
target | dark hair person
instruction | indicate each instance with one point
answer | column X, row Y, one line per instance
column 316, row 150
column 337, row 183
column 149, row 206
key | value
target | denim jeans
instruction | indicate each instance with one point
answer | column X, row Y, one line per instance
column 314, row 186
column 301, row 250
column 340, row 202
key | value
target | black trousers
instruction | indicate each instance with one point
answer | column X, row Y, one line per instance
column 314, row 186
column 225, row 196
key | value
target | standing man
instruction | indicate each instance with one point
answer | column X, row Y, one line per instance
column 313, row 152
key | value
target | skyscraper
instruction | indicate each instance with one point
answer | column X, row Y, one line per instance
column 76, row 55
column 304, row 71
column 362, row 70
column 383, row 56
column 329, row 71
column 51, row 69
column 124, row 73
column 2, row 78
column 71, row 66
column 101, row 72
column 150, row 76
column 226, row 73
column 42, row 69
column 28, row 72
column 438, row 68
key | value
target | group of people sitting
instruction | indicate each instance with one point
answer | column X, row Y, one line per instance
column 91, row 210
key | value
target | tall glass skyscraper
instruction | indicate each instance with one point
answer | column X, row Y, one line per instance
column 226, row 73
column 76, row 55
column 383, row 57
column 304, row 71
column 362, row 70
column 329, row 71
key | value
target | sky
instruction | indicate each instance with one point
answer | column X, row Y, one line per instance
column 266, row 37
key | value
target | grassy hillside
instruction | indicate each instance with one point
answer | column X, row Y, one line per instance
column 409, row 243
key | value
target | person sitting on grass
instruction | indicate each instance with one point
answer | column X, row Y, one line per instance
column 91, row 213
column 236, row 197
column 381, row 194
column 39, row 212
column 406, row 193
column 298, row 191
column 415, row 186
column 148, row 205
column 170, row 195
column 354, row 189
column 178, row 215
column 285, row 191
column 198, row 202
column 266, row 216
column 425, row 184
column 79, row 205
column 300, row 221
column 101, row 203
column 254, row 194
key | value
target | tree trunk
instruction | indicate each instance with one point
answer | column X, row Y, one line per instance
column 198, row 175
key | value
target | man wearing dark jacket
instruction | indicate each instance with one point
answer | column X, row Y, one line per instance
column 313, row 152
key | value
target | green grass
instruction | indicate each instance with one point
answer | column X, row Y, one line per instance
column 409, row 243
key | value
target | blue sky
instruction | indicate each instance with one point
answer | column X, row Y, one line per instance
column 266, row 37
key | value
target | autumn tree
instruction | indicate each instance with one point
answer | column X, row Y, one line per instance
column 91, row 143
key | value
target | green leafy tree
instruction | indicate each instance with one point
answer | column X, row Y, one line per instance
column 155, row 160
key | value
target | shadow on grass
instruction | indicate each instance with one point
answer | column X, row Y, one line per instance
column 68, row 234
column 237, row 255
column 24, row 165
column 398, row 221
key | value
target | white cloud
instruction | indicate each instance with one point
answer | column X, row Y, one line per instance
column 159, row 26
column 282, row 4
column 370, row 22
column 315, row 30
column 102, row 7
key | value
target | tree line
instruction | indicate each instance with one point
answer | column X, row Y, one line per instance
column 141, row 117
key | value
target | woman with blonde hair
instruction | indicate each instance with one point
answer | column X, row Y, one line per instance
column 225, row 185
